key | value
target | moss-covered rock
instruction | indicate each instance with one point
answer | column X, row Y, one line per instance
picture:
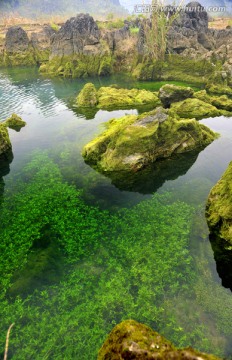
column 219, row 207
column 87, row 96
column 220, row 102
column 194, row 108
column 5, row 144
column 114, row 97
column 111, row 97
column 219, row 89
column 170, row 93
column 132, row 340
column 14, row 122
column 134, row 141
column 78, row 65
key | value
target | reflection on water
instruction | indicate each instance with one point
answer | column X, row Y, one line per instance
column 223, row 258
column 152, row 177
column 5, row 161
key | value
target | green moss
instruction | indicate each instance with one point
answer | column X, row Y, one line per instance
column 26, row 58
column 219, row 89
column 175, row 67
column 194, row 108
column 219, row 207
column 132, row 142
column 112, row 97
column 170, row 93
column 132, row 340
column 109, row 97
column 78, row 66
column 5, row 144
column 15, row 122
column 87, row 96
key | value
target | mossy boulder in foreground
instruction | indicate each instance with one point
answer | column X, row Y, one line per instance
column 219, row 207
column 134, row 141
column 170, row 93
column 132, row 340
column 108, row 97
column 195, row 108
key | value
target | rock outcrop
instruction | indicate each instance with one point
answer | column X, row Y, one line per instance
column 219, row 208
column 195, row 108
column 169, row 94
column 111, row 97
column 15, row 122
column 133, row 142
column 16, row 40
column 132, row 340
column 5, row 144
column 79, row 34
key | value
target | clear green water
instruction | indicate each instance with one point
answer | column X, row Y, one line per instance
column 79, row 254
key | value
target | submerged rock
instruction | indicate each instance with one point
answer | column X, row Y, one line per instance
column 172, row 93
column 195, row 108
column 134, row 141
column 132, row 340
column 219, row 208
column 108, row 97
column 15, row 122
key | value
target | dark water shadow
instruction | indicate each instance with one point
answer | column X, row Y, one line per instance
column 151, row 178
column 223, row 258
column 5, row 161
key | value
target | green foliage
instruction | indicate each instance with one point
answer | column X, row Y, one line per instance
column 118, row 266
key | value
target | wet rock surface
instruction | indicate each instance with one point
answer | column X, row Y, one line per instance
column 132, row 340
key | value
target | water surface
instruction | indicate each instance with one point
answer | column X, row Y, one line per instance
column 56, row 126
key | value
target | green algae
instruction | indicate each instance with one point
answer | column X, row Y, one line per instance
column 131, row 264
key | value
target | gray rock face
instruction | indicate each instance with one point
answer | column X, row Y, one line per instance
column 42, row 40
column 169, row 94
column 16, row 40
column 113, row 38
column 78, row 35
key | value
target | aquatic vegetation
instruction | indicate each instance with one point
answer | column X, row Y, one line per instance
column 118, row 266
column 133, row 142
